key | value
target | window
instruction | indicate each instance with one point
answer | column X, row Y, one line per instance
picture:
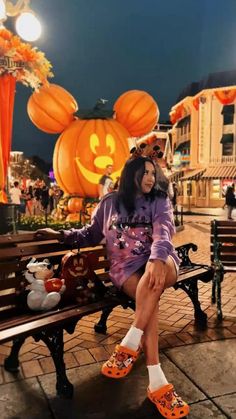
column 228, row 114
column 227, row 142
column 228, row 118
column 227, row 149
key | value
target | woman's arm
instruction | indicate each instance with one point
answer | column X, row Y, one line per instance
column 89, row 235
column 163, row 229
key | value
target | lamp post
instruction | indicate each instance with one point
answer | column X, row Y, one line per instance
column 27, row 24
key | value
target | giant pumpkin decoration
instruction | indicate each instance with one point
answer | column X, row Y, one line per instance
column 137, row 111
column 52, row 108
column 83, row 151
column 94, row 139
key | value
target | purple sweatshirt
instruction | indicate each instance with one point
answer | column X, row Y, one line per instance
column 130, row 240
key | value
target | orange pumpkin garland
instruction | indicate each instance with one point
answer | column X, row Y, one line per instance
column 52, row 108
column 137, row 111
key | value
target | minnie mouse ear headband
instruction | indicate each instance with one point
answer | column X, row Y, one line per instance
column 143, row 150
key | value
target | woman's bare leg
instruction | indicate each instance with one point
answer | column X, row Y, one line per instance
column 147, row 299
column 149, row 318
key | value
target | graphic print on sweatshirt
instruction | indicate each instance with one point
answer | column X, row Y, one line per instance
column 131, row 234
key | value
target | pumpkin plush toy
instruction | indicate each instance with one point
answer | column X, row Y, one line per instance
column 82, row 284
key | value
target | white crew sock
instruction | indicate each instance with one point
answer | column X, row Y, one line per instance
column 132, row 338
column 157, row 377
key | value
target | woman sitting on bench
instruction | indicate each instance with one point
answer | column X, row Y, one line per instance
column 137, row 223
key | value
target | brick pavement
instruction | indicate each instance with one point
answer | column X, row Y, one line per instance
column 84, row 346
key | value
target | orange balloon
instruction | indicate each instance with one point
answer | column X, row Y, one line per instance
column 137, row 111
column 52, row 108
column 83, row 151
column 75, row 204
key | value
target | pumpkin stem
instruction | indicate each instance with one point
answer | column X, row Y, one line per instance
column 98, row 112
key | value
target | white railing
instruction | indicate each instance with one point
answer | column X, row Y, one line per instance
column 223, row 160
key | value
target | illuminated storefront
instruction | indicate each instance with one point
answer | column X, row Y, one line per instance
column 204, row 139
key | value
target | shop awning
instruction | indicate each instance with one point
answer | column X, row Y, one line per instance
column 183, row 145
column 175, row 176
column 220, row 172
column 228, row 109
column 193, row 175
column 227, row 138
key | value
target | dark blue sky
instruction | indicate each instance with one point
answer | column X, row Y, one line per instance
column 101, row 48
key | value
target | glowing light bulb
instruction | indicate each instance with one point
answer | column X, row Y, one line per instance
column 2, row 10
column 28, row 26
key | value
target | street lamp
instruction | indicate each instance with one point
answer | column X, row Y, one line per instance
column 27, row 24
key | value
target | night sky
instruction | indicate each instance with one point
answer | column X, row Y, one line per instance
column 102, row 48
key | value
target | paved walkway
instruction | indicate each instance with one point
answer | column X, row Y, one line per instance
column 202, row 365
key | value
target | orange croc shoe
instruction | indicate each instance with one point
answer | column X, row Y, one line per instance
column 120, row 363
column 168, row 403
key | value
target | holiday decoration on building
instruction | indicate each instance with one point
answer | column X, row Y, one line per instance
column 19, row 62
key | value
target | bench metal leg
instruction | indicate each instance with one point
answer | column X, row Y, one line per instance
column 216, row 292
column 101, row 326
column 55, row 344
column 11, row 363
column 191, row 288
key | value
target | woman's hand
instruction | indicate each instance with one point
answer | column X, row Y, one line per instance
column 48, row 233
column 156, row 271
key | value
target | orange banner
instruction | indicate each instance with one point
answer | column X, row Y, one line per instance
column 226, row 96
column 196, row 103
column 7, row 96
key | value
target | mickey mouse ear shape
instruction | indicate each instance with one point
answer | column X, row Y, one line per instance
column 137, row 151
column 156, row 148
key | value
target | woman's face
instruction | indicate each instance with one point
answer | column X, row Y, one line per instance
column 148, row 180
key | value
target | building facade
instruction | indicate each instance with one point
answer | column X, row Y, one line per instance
column 204, row 140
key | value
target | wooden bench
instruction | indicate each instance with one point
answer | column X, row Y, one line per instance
column 17, row 324
column 223, row 256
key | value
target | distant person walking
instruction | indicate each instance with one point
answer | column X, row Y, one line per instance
column 230, row 200
column 106, row 183
column 16, row 197
column 15, row 193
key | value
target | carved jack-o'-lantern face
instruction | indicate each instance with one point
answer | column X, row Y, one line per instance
column 74, row 266
column 84, row 150
column 78, row 267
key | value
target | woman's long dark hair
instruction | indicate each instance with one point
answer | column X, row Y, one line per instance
column 130, row 183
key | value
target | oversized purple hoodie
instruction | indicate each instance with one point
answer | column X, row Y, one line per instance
column 130, row 240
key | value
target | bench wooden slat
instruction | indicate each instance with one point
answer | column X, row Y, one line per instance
column 224, row 257
column 33, row 326
column 226, row 223
column 8, row 283
column 189, row 274
column 31, row 250
column 7, row 300
column 231, row 231
column 226, row 239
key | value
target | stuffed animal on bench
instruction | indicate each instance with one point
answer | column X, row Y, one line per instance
column 82, row 284
column 45, row 290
